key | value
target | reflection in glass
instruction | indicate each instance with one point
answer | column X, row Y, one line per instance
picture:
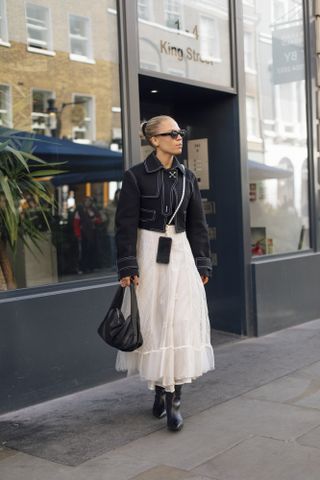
column 5, row 106
column 3, row 22
column 38, row 26
column 186, row 38
column 80, row 42
column 276, row 126
column 66, row 108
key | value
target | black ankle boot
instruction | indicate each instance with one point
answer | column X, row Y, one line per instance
column 159, row 408
column 174, row 418
column 177, row 396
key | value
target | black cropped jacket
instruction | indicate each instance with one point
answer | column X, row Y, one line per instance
column 143, row 203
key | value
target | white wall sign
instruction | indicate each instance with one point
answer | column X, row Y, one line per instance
column 198, row 161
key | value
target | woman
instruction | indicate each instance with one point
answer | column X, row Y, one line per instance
column 171, row 297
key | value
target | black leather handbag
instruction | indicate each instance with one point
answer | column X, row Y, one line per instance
column 117, row 331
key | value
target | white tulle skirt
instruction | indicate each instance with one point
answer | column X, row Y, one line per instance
column 173, row 314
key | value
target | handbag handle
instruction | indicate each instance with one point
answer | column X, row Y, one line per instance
column 182, row 196
column 134, row 303
column 118, row 298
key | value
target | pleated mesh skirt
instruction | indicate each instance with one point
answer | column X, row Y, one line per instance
column 173, row 314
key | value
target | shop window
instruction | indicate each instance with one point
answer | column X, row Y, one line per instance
column 210, row 39
column 173, row 13
column 83, row 131
column 80, row 38
column 3, row 23
column 144, row 9
column 276, row 100
column 38, row 28
column 39, row 110
column 5, row 106
column 70, row 113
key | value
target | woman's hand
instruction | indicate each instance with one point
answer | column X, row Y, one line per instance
column 125, row 281
column 204, row 279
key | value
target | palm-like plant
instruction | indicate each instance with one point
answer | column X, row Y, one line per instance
column 20, row 172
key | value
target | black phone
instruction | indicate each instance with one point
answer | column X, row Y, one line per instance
column 164, row 249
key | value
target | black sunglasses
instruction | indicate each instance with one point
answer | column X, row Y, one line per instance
column 173, row 133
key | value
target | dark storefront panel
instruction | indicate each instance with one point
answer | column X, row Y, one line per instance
column 49, row 346
column 286, row 292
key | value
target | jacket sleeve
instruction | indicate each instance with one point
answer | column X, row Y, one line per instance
column 197, row 231
column 126, row 222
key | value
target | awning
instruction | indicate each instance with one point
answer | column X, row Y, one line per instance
column 260, row 171
column 77, row 157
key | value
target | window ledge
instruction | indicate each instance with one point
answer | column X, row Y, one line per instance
column 79, row 58
column 4, row 44
column 251, row 71
column 49, row 53
column 254, row 139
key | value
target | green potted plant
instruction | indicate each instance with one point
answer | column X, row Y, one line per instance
column 20, row 181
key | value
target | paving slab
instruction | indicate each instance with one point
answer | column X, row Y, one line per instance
column 163, row 472
column 310, row 439
column 202, row 437
column 6, row 453
column 113, row 466
column 218, row 429
column 290, row 389
column 311, row 371
column 264, row 459
column 27, row 467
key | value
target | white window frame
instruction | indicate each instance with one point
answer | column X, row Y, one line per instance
column 92, row 118
column 176, row 72
column 252, row 136
column 4, row 36
column 150, row 66
column 216, row 40
column 284, row 128
column 148, row 5
column 74, row 56
column 7, row 110
column 283, row 17
column 250, row 3
column 250, row 66
column 169, row 11
column 49, row 49
column 43, row 115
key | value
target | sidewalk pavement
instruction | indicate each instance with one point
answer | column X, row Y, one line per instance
column 257, row 417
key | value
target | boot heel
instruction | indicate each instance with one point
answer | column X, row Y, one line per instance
column 174, row 417
column 159, row 408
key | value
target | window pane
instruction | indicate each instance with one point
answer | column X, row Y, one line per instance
column 3, row 22
column 80, row 40
column 276, row 126
column 5, row 106
column 187, row 38
column 39, row 111
column 38, row 26
column 144, row 9
column 69, row 112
